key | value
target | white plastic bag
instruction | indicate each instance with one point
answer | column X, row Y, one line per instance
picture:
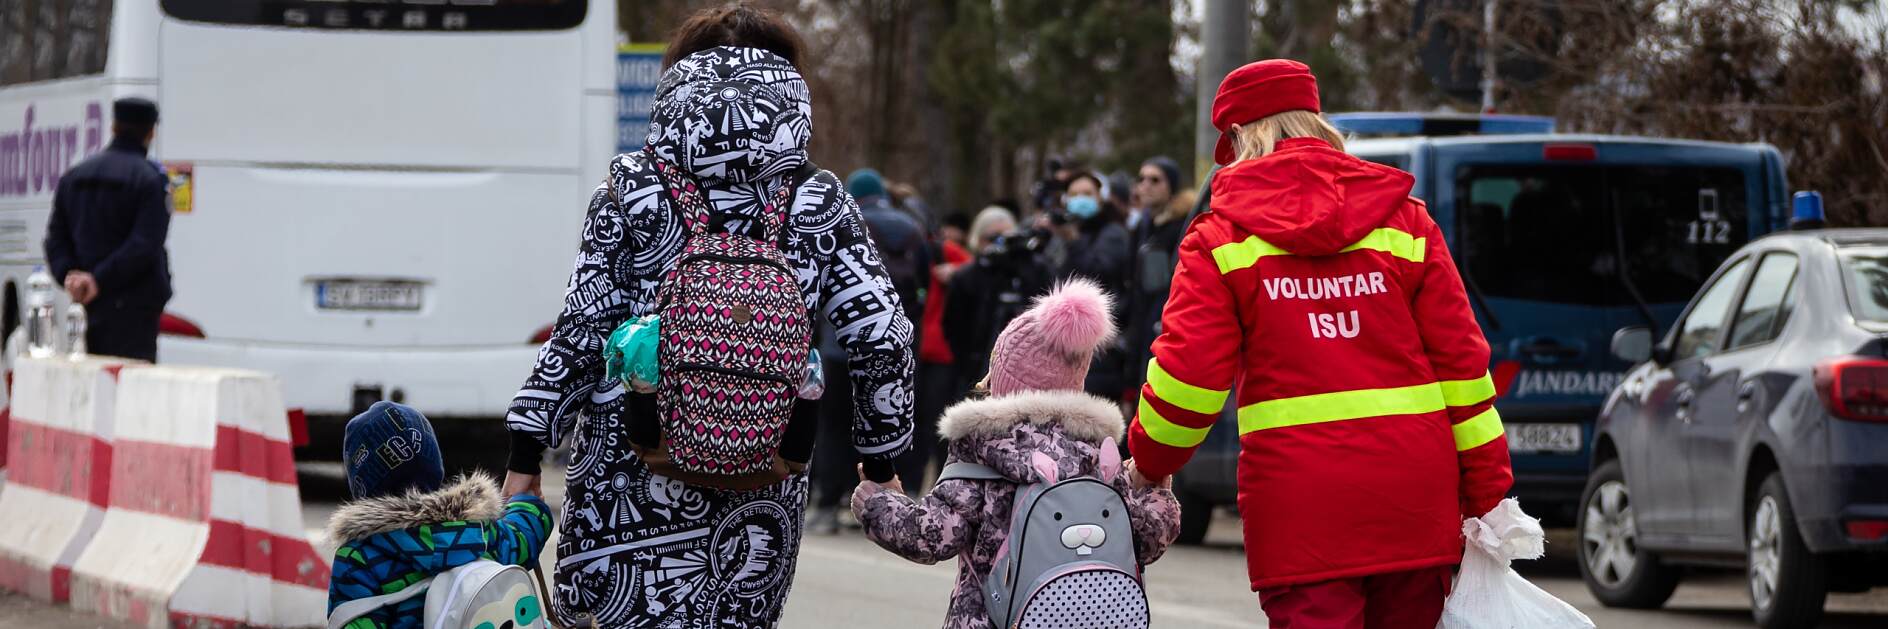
column 1491, row 595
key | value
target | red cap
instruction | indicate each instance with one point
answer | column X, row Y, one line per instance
column 1257, row 90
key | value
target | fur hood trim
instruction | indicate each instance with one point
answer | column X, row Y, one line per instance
column 473, row 497
column 1082, row 416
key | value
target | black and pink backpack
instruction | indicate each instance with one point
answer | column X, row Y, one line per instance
column 735, row 333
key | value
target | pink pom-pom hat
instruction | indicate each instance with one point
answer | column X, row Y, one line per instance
column 1048, row 347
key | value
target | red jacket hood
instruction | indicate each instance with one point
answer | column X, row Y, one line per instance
column 1308, row 198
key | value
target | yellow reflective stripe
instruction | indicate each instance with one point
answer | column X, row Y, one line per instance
column 1245, row 253
column 1234, row 256
column 1340, row 406
column 1395, row 242
column 1478, row 430
column 1468, row 392
column 1166, row 432
column 1186, row 396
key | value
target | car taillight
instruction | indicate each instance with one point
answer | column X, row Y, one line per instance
column 1854, row 387
column 1569, row 152
column 173, row 325
column 543, row 334
column 1867, row 530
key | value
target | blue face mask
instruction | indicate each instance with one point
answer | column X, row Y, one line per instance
column 1084, row 207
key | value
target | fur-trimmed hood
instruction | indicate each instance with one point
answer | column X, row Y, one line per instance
column 1070, row 427
column 473, row 497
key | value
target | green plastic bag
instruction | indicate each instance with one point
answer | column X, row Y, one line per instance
column 630, row 355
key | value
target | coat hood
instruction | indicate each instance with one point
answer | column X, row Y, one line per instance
column 732, row 114
column 1308, row 198
column 473, row 497
column 1070, row 427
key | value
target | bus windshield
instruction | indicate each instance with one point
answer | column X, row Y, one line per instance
column 411, row 15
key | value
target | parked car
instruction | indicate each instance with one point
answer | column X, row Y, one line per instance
column 1561, row 239
column 1754, row 433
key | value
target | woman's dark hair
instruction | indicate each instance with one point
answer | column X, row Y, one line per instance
column 739, row 24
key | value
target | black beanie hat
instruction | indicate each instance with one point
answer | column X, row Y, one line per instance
column 134, row 110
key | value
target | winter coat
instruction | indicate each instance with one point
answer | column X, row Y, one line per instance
column 903, row 248
column 1366, row 417
column 970, row 519
column 932, row 347
column 389, row 543
column 1149, row 278
column 1102, row 254
column 110, row 217
column 738, row 121
column 985, row 295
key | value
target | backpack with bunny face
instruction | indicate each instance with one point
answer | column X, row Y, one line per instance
column 1070, row 560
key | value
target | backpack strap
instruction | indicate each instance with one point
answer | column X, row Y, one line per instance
column 964, row 470
column 686, row 194
column 354, row 609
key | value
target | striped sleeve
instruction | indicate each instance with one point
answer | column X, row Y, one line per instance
column 1194, row 365
column 518, row 537
column 1459, row 355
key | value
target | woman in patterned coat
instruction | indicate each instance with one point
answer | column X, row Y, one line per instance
column 641, row 550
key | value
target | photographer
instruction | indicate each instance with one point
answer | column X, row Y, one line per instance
column 1097, row 247
column 1008, row 272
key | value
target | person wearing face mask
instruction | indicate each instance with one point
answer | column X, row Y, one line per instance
column 1097, row 247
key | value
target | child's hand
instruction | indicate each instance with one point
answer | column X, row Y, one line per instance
column 892, row 484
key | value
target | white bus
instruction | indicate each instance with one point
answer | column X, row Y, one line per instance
column 371, row 198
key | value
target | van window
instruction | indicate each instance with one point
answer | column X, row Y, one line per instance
column 1572, row 234
column 43, row 40
column 1399, row 161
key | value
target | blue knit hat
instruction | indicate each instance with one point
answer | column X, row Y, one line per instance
column 865, row 182
column 391, row 449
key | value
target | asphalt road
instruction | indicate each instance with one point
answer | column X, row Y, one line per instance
column 845, row 581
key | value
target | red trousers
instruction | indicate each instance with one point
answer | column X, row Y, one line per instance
column 1397, row 600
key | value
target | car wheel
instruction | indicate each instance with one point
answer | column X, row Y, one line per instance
column 1196, row 515
column 1787, row 582
column 1616, row 569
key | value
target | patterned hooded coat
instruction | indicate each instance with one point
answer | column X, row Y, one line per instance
column 389, row 543
column 969, row 519
column 641, row 550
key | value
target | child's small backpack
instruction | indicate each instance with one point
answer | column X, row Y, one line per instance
column 483, row 594
column 1069, row 561
column 735, row 335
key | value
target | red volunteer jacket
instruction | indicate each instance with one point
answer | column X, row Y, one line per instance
column 1321, row 289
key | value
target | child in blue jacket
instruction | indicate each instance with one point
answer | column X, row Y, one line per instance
column 403, row 526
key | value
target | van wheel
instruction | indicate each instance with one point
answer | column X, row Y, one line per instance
column 1788, row 584
column 1616, row 569
column 1196, row 515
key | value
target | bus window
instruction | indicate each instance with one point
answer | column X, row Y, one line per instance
column 44, row 40
column 1535, row 233
column 477, row 15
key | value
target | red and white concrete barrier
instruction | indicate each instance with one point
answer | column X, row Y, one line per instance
column 204, row 523
column 60, row 446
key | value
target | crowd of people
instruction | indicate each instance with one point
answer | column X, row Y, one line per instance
column 962, row 278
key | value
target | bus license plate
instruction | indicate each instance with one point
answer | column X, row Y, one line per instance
column 1561, row 438
column 367, row 295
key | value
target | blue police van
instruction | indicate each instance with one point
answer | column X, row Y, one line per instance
column 1561, row 240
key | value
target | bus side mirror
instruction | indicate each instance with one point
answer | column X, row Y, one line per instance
column 1633, row 344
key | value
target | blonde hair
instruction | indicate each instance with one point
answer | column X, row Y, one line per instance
column 1259, row 138
column 987, row 217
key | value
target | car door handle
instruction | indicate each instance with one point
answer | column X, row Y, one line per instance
column 1746, row 395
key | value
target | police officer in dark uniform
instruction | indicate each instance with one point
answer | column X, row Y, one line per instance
column 110, row 217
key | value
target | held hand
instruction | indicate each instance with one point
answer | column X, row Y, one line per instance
column 892, row 484
column 516, row 483
column 1136, row 480
column 81, row 286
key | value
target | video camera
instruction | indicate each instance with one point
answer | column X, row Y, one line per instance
column 1018, row 246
